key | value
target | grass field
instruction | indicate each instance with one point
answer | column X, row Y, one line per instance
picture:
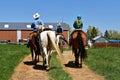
column 105, row 61
column 10, row 56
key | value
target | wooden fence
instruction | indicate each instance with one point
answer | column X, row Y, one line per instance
column 105, row 45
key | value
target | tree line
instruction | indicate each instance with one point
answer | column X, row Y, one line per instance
column 92, row 32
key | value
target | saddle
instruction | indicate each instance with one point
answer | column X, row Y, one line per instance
column 78, row 31
column 75, row 33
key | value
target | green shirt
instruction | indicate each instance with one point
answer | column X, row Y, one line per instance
column 78, row 24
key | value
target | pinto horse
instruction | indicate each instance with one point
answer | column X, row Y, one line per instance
column 60, row 41
column 78, row 43
column 34, row 46
column 47, row 46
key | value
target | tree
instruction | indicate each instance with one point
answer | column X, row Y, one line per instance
column 69, row 29
column 92, row 32
column 114, row 34
column 89, row 30
column 107, row 35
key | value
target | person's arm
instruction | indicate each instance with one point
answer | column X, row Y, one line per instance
column 42, row 23
column 32, row 25
column 81, row 24
column 75, row 24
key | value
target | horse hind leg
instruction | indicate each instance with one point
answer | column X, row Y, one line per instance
column 48, row 66
column 81, row 59
column 49, row 58
column 35, row 60
column 76, row 59
column 32, row 54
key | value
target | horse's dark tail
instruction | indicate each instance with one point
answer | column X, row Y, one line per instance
column 64, row 40
column 82, row 47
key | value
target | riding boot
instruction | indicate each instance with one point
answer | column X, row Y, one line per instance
column 69, row 42
column 28, row 43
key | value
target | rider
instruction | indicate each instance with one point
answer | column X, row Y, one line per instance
column 38, row 22
column 78, row 24
column 35, row 25
column 59, row 28
column 59, row 31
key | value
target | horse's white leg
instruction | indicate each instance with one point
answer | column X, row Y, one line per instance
column 58, row 40
column 46, row 57
column 49, row 57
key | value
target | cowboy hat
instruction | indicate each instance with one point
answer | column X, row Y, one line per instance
column 59, row 25
column 36, row 15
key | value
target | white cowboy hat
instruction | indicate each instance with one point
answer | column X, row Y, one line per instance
column 59, row 24
column 36, row 15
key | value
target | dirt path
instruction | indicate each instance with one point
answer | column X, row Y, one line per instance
column 78, row 73
column 27, row 71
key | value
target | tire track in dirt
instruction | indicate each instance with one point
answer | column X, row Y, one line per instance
column 78, row 73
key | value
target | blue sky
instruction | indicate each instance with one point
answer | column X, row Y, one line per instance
column 103, row 14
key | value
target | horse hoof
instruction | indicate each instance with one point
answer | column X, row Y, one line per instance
column 47, row 69
column 76, row 63
column 80, row 66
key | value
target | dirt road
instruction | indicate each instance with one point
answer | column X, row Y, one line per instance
column 27, row 71
column 78, row 73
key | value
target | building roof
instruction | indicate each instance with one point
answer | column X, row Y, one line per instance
column 99, row 39
column 114, row 41
column 26, row 25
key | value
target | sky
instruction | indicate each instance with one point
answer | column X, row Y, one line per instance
column 103, row 14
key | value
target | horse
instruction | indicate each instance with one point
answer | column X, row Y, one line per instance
column 78, row 43
column 47, row 46
column 34, row 46
column 60, row 41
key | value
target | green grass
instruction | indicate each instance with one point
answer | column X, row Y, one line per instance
column 56, row 72
column 10, row 56
column 105, row 61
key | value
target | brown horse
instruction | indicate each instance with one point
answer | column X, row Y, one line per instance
column 34, row 46
column 78, row 43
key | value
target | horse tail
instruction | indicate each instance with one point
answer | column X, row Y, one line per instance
column 82, row 47
column 54, row 44
column 64, row 40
